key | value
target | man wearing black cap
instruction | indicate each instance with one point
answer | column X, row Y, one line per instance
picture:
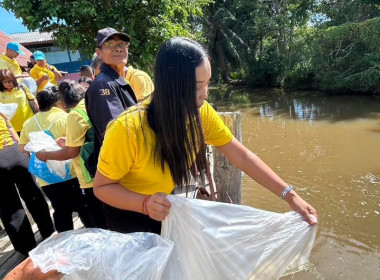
column 109, row 94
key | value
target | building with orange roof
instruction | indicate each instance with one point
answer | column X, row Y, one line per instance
column 63, row 59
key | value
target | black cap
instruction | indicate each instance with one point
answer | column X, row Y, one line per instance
column 106, row 33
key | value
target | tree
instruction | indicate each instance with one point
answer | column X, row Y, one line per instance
column 74, row 23
column 268, row 27
column 347, row 57
column 225, row 46
column 345, row 11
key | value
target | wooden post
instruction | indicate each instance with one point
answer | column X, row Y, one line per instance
column 227, row 177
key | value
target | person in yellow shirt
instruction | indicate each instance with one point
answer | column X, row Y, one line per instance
column 8, row 59
column 153, row 146
column 65, row 197
column 13, row 92
column 43, row 73
column 78, row 129
column 16, row 181
column 140, row 82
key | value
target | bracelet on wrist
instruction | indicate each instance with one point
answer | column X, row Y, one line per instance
column 144, row 207
column 286, row 191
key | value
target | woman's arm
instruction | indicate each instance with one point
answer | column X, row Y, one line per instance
column 42, row 79
column 22, row 150
column 62, row 154
column 14, row 133
column 114, row 194
column 254, row 167
column 56, row 73
column 36, row 105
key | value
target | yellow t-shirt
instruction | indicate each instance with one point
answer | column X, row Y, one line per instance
column 45, row 119
column 140, row 82
column 10, row 64
column 76, row 129
column 6, row 138
column 23, row 112
column 38, row 72
column 126, row 156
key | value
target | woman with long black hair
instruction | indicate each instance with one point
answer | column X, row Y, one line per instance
column 152, row 146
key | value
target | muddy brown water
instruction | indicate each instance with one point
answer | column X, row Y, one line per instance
column 328, row 147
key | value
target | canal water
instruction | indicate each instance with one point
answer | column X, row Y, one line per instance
column 328, row 147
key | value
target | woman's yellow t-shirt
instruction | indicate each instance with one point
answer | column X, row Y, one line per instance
column 127, row 151
column 6, row 137
column 140, row 82
column 76, row 129
column 24, row 112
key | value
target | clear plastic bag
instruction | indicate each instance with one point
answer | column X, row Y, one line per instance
column 38, row 141
column 98, row 254
column 216, row 240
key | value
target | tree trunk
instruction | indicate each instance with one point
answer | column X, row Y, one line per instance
column 222, row 63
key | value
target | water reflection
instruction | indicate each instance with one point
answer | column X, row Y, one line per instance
column 299, row 105
column 328, row 147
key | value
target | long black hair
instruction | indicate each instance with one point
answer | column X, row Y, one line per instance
column 47, row 98
column 173, row 113
column 71, row 93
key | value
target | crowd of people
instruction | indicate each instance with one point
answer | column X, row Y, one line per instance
column 58, row 106
column 146, row 139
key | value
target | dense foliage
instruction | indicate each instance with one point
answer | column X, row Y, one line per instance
column 319, row 44
column 75, row 23
column 327, row 44
column 340, row 58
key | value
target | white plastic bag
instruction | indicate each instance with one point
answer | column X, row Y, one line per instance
column 39, row 141
column 225, row 241
column 98, row 254
column 30, row 83
column 8, row 109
